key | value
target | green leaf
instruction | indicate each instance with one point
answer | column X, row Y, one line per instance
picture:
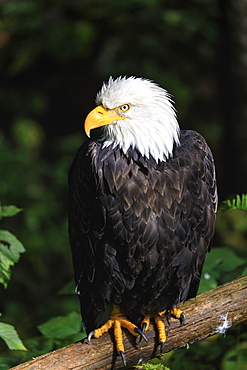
column 239, row 202
column 151, row 366
column 9, row 211
column 222, row 260
column 10, row 250
column 235, row 358
column 61, row 326
column 207, row 282
column 218, row 262
column 11, row 338
column 39, row 344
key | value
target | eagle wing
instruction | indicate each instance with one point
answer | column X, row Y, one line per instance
column 139, row 230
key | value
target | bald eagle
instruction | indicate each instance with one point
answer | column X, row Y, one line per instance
column 142, row 204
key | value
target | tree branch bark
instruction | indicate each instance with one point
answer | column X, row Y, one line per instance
column 209, row 313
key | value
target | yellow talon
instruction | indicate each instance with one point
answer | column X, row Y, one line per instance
column 176, row 313
column 146, row 322
column 118, row 336
column 117, row 321
column 103, row 329
column 159, row 321
column 161, row 328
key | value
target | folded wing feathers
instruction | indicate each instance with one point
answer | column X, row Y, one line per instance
column 149, row 224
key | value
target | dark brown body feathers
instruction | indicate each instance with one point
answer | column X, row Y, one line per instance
column 140, row 230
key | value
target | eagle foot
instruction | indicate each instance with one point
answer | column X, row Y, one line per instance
column 174, row 312
column 160, row 328
column 117, row 321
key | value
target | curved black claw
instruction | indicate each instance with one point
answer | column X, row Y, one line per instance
column 162, row 347
column 168, row 319
column 139, row 331
column 144, row 325
column 123, row 357
column 182, row 319
column 90, row 335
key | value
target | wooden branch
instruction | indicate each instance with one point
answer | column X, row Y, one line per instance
column 209, row 313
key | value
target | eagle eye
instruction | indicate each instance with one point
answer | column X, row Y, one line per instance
column 124, row 107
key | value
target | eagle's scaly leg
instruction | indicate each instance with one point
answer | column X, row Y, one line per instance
column 174, row 312
column 117, row 320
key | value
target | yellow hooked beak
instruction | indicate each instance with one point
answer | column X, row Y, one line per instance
column 99, row 117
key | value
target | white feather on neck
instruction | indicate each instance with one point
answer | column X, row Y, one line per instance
column 151, row 126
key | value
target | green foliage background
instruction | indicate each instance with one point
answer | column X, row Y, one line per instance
column 54, row 56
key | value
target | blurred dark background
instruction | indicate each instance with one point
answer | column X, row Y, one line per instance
column 54, row 56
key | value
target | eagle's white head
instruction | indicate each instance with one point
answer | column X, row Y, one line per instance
column 136, row 113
